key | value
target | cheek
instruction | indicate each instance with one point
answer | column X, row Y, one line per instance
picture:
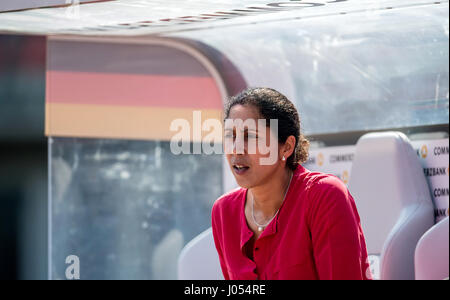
column 228, row 157
column 268, row 155
column 268, row 145
column 261, row 172
column 260, row 165
column 254, row 159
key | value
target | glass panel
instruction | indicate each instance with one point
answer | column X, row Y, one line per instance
column 358, row 71
column 126, row 208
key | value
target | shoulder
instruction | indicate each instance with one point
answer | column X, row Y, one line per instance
column 319, row 183
column 327, row 191
column 228, row 203
column 331, row 206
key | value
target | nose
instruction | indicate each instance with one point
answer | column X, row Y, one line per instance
column 238, row 147
column 234, row 146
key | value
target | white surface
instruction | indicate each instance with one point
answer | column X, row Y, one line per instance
column 393, row 200
column 10, row 5
column 165, row 254
column 199, row 259
column 432, row 252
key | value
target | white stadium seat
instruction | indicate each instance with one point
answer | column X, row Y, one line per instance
column 432, row 251
column 393, row 200
column 199, row 259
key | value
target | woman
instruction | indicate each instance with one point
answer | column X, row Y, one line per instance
column 285, row 222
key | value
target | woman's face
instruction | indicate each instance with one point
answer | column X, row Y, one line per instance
column 249, row 164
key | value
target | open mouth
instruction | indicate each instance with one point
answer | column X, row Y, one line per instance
column 240, row 169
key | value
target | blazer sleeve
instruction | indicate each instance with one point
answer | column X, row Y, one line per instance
column 338, row 242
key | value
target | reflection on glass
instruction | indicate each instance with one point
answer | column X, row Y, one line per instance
column 126, row 208
column 360, row 71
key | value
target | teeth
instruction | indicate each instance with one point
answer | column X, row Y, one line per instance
column 239, row 166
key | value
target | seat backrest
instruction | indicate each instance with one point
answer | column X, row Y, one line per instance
column 393, row 201
column 199, row 259
column 432, row 252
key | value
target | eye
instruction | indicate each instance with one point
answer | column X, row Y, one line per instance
column 228, row 135
column 252, row 135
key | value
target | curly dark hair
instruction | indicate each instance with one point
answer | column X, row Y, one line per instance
column 274, row 105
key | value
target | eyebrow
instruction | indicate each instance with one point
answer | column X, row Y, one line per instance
column 228, row 130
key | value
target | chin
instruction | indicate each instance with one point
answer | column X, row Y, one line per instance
column 244, row 186
column 243, row 183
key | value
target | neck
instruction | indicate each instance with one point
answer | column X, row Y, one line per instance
column 269, row 196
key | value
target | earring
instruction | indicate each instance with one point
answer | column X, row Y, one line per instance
column 284, row 158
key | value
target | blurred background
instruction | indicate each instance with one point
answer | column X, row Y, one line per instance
column 23, row 158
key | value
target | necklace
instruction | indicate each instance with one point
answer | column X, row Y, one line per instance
column 261, row 227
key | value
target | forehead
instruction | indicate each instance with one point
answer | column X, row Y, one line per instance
column 244, row 112
column 245, row 117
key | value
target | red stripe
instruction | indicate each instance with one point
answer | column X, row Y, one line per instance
column 132, row 90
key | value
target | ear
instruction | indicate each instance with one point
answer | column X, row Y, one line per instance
column 288, row 148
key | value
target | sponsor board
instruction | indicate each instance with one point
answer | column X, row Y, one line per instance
column 332, row 160
column 434, row 157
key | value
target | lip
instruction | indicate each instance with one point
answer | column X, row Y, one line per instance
column 240, row 169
